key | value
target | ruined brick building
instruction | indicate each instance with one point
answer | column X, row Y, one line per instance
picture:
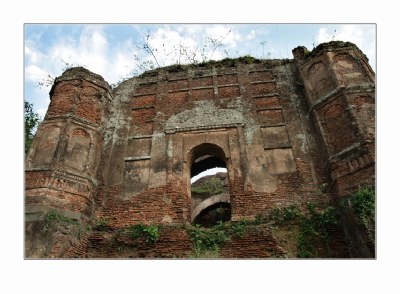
column 106, row 159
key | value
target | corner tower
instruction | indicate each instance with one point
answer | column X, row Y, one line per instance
column 340, row 89
column 62, row 162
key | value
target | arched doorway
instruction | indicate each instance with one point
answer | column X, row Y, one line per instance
column 210, row 200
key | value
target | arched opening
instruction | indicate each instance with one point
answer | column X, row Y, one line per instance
column 212, row 214
column 209, row 191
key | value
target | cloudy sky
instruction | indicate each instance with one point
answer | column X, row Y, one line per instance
column 110, row 49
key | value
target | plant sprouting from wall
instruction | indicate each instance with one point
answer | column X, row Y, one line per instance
column 363, row 204
column 313, row 227
column 54, row 219
column 207, row 241
column 149, row 56
column 150, row 233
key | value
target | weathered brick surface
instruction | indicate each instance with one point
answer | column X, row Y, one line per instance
column 263, row 102
column 271, row 116
column 337, row 127
column 257, row 242
column 64, row 98
column 143, row 101
column 202, row 82
column 227, row 79
column 263, row 88
column 265, row 75
column 201, row 94
column 173, row 242
column 178, row 85
column 126, row 154
column 228, row 91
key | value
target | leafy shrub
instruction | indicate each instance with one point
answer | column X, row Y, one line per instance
column 208, row 240
column 150, row 233
column 239, row 228
column 363, row 204
column 313, row 226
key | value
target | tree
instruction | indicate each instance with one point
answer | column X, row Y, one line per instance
column 32, row 120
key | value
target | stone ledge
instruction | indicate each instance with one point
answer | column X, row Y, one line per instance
column 201, row 88
column 78, row 120
column 336, row 157
column 340, row 90
column 35, row 213
column 266, row 96
column 280, row 146
column 263, row 82
column 271, row 108
column 141, row 137
column 137, row 158
column 143, row 107
column 176, row 130
column 228, row 85
column 141, row 95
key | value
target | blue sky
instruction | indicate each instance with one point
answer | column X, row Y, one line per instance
column 108, row 49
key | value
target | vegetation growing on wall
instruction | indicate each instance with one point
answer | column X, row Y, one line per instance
column 101, row 223
column 54, row 219
column 363, row 204
column 149, row 233
column 211, row 186
column 207, row 241
column 312, row 228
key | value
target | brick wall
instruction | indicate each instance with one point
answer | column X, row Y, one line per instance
column 142, row 143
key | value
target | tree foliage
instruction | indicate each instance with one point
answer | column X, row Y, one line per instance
column 32, row 120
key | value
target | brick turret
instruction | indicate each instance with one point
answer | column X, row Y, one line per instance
column 62, row 162
column 340, row 89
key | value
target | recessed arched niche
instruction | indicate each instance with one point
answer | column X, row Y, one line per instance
column 48, row 140
column 347, row 69
column 319, row 80
column 78, row 149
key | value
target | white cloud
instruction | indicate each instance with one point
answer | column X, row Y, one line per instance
column 252, row 35
column 35, row 74
column 42, row 112
column 171, row 45
column 32, row 55
column 192, row 43
column 229, row 36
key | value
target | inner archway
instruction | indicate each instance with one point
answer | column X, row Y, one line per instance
column 210, row 201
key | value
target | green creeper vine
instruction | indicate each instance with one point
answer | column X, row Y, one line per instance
column 314, row 226
column 363, row 205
